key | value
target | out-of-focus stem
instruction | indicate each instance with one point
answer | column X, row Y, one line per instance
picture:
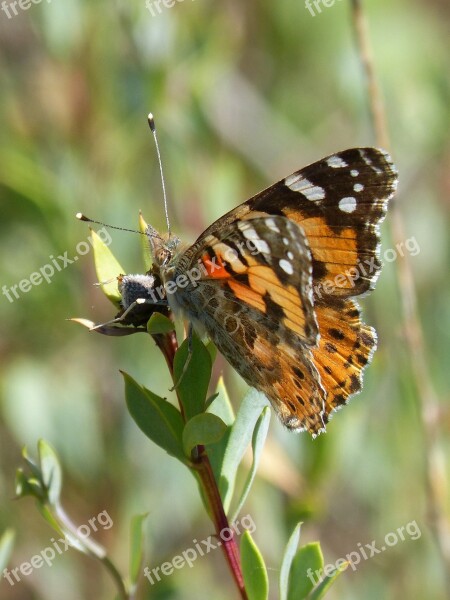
column 427, row 398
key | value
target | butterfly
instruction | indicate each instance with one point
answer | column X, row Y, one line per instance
column 273, row 283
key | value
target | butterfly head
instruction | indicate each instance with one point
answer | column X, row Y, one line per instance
column 163, row 247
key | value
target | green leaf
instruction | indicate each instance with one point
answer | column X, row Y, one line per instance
column 158, row 419
column 194, row 384
column 327, row 582
column 6, row 547
column 28, row 486
column 253, row 569
column 302, row 578
column 136, row 547
column 210, row 400
column 107, row 268
column 145, row 246
column 31, row 463
column 212, row 351
column 258, row 440
column 47, row 513
column 202, row 430
column 220, row 406
column 240, row 437
column 51, row 471
column 159, row 323
column 286, row 563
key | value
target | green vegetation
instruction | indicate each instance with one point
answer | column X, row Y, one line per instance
column 243, row 94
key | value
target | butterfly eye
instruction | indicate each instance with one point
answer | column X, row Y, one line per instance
column 163, row 256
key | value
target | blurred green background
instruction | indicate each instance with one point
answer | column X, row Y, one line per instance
column 243, row 93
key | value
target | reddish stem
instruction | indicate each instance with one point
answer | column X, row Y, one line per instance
column 168, row 345
column 220, row 519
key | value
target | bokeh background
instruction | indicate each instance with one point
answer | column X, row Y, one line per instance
column 243, row 93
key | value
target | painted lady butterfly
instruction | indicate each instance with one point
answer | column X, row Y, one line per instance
column 272, row 283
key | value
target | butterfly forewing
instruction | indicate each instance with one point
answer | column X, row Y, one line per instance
column 339, row 202
column 262, row 267
column 255, row 302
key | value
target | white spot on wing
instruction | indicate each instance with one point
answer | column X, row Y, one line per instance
column 290, row 255
column 354, row 173
column 347, row 204
column 297, row 183
column 365, row 158
column 336, row 162
column 369, row 162
column 285, row 241
column 262, row 246
column 256, row 242
column 271, row 225
column 358, row 187
column 286, row 266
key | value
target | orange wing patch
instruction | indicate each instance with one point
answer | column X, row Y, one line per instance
column 247, row 295
column 346, row 346
column 336, row 249
column 298, row 396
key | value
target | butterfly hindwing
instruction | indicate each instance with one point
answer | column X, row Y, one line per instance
column 346, row 346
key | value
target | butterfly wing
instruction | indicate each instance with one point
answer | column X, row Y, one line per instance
column 339, row 203
column 305, row 351
column 254, row 300
column 345, row 347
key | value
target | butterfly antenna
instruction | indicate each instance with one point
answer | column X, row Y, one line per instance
column 83, row 217
column 151, row 123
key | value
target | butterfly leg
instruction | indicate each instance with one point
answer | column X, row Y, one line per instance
column 188, row 358
column 137, row 302
column 100, row 283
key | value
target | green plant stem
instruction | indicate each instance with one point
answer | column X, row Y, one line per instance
column 93, row 549
column 123, row 594
column 168, row 345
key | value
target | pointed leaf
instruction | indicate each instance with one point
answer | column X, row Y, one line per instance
column 159, row 323
column 113, row 330
column 194, row 384
column 219, row 404
column 48, row 515
column 302, row 578
column 29, row 486
column 212, row 351
column 202, row 430
column 286, row 563
column 253, row 569
column 326, row 583
column 84, row 322
column 31, row 463
column 136, row 547
column 240, row 437
column 210, row 400
column 258, row 441
column 6, row 547
column 51, row 471
column 107, row 268
column 145, row 245
column 158, row 419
